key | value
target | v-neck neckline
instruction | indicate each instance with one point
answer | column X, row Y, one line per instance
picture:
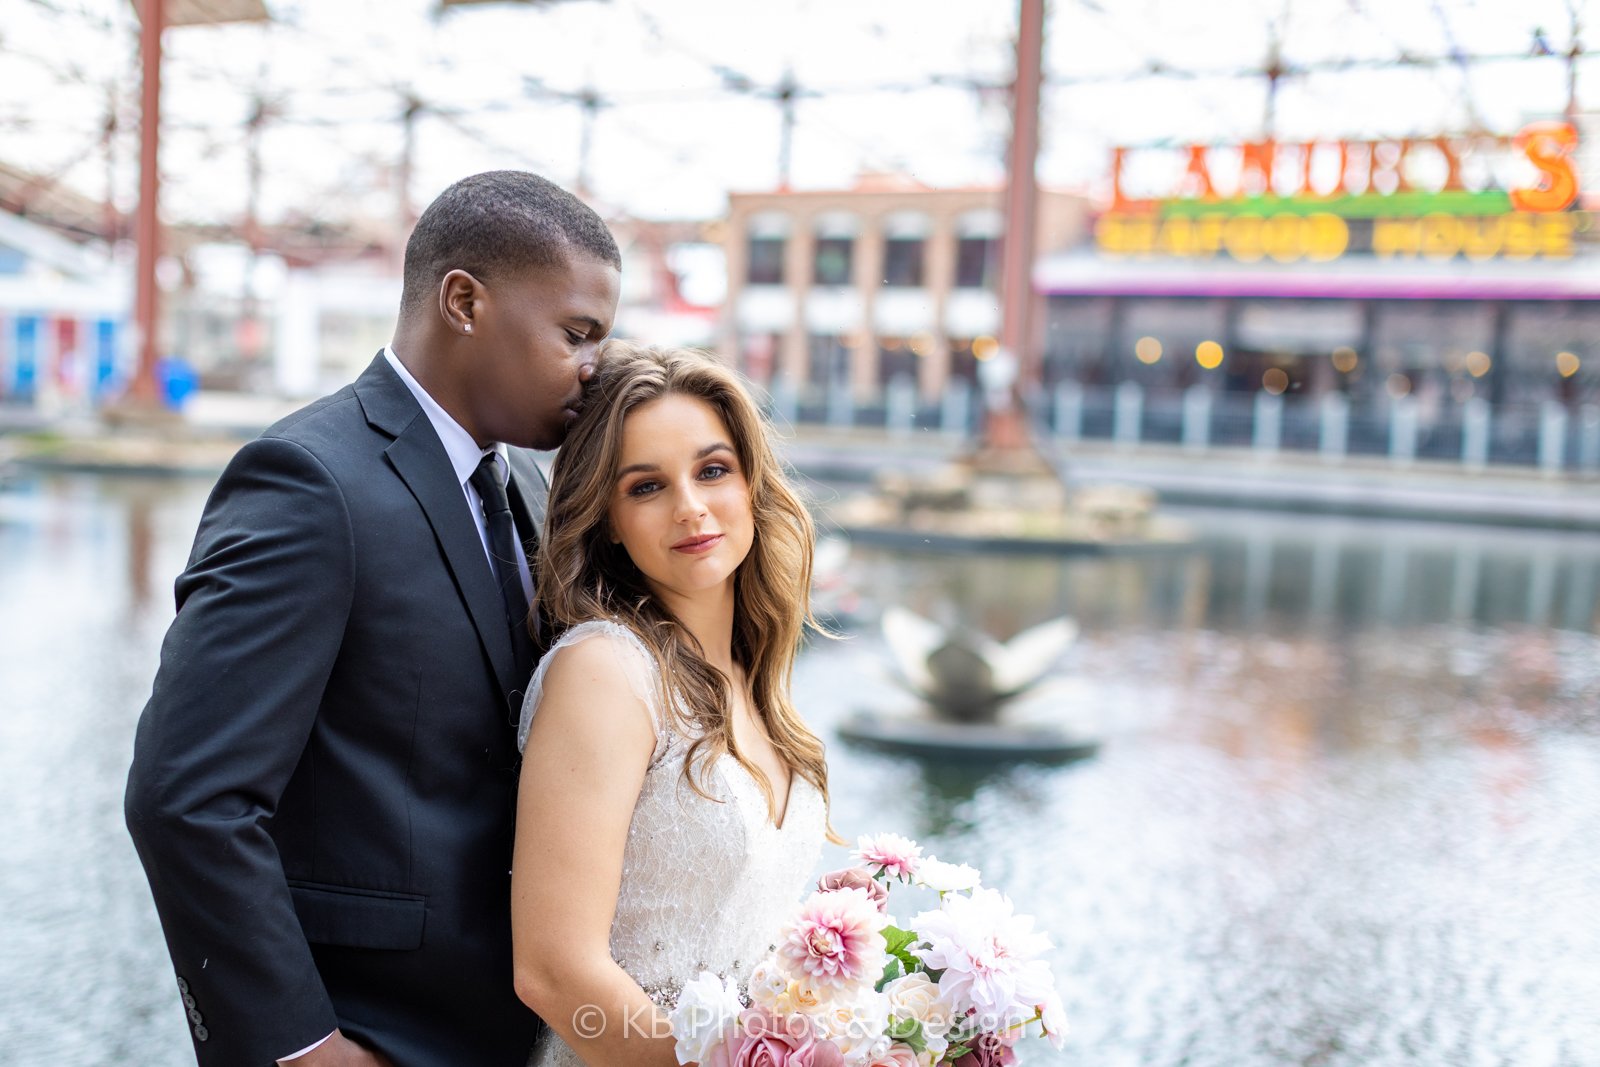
column 788, row 796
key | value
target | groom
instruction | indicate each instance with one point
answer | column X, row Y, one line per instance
column 321, row 791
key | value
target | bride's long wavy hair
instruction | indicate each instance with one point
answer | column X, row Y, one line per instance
column 584, row 575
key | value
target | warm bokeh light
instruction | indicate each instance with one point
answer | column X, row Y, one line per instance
column 985, row 347
column 1398, row 386
column 1147, row 349
column 1478, row 364
column 1275, row 381
column 1568, row 363
column 1208, row 354
column 921, row 343
column 1345, row 359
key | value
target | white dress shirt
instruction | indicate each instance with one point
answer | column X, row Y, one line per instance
column 465, row 455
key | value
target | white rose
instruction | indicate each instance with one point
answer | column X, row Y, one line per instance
column 767, row 984
column 947, row 877
column 707, row 1011
column 916, row 996
column 858, row 1026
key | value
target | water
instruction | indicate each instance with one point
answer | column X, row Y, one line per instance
column 1344, row 813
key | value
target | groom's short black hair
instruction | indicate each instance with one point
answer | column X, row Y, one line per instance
column 500, row 223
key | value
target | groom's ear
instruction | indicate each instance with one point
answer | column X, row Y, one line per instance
column 459, row 293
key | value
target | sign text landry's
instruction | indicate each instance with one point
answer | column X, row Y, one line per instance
column 1434, row 198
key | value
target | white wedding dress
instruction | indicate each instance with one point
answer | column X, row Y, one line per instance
column 705, row 883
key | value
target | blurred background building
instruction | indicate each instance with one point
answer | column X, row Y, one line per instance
column 1341, row 228
column 853, row 289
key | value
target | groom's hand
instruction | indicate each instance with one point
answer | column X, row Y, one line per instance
column 340, row 1051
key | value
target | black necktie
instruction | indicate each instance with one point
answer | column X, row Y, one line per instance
column 503, row 548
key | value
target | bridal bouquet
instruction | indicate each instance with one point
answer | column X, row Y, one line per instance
column 849, row 986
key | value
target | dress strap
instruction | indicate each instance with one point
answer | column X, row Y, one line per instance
column 634, row 661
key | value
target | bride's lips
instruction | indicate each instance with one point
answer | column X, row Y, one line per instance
column 698, row 544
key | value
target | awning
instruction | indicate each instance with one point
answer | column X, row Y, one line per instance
column 1090, row 274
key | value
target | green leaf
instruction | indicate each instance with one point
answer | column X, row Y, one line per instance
column 897, row 943
column 890, row 973
column 897, row 940
column 956, row 1052
column 908, row 1032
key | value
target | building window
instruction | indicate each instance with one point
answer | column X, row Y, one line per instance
column 902, row 261
column 765, row 259
column 830, row 361
column 977, row 262
column 896, row 359
column 832, row 264
column 759, row 356
column 963, row 364
column 905, row 238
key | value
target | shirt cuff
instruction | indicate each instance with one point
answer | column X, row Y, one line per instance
column 308, row 1048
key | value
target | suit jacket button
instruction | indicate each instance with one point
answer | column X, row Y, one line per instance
column 188, row 1000
column 195, row 1017
column 183, row 987
column 201, row 1033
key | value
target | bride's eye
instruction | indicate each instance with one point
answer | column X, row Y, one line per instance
column 713, row 471
column 643, row 488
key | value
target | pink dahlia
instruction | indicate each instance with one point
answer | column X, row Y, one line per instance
column 890, row 855
column 834, row 943
column 763, row 1040
column 990, row 956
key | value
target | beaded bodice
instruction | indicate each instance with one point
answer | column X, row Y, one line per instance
column 705, row 882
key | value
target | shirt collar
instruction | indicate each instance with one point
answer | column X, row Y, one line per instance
column 464, row 453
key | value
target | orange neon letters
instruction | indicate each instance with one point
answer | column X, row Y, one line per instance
column 1548, row 146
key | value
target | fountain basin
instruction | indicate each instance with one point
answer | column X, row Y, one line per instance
column 989, row 742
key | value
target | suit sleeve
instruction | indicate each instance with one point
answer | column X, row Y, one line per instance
column 262, row 609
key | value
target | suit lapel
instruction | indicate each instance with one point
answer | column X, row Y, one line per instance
column 529, row 493
column 419, row 459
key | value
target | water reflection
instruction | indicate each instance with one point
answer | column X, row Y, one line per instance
column 1344, row 814
column 1268, row 573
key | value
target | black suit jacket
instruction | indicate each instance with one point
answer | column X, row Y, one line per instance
column 322, row 783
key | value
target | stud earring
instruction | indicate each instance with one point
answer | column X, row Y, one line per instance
column 468, row 327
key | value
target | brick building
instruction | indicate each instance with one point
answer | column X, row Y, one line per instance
column 889, row 279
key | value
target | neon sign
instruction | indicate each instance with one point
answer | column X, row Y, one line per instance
column 1438, row 198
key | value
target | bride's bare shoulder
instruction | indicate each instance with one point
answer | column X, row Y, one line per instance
column 603, row 671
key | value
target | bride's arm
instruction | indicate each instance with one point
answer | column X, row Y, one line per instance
column 582, row 770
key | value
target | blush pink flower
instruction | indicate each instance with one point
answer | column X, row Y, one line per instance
column 889, row 854
column 989, row 955
column 855, row 878
column 898, row 1056
column 834, row 942
column 765, row 1040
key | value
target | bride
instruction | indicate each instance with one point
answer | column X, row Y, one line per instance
column 672, row 803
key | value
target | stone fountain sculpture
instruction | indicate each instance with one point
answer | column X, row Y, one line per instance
column 965, row 682
column 966, row 676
